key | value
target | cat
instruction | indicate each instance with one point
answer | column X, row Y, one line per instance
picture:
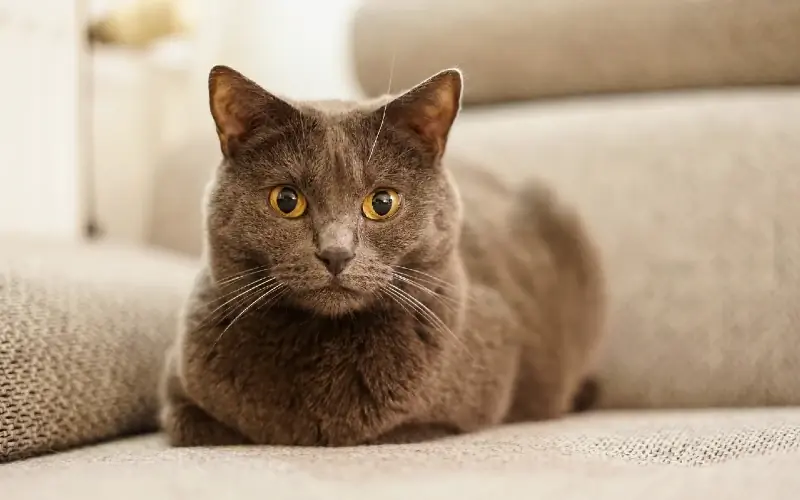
column 356, row 290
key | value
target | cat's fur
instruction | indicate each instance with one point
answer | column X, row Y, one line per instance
column 509, row 280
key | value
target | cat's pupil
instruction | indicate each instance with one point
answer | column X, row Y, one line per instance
column 382, row 203
column 287, row 200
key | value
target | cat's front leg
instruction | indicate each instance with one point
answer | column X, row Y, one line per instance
column 416, row 433
column 186, row 424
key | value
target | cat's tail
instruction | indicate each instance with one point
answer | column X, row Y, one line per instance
column 587, row 396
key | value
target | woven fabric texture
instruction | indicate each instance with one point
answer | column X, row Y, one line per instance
column 738, row 454
column 82, row 335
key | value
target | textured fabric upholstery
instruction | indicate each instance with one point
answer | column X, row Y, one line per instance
column 82, row 335
column 741, row 454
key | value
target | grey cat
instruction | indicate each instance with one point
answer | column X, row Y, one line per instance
column 356, row 290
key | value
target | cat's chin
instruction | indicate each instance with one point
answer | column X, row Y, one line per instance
column 332, row 300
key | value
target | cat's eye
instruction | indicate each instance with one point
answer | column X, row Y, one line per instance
column 287, row 201
column 381, row 204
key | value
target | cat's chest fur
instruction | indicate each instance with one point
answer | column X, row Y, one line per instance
column 288, row 378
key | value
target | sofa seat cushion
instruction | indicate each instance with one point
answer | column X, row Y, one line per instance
column 740, row 454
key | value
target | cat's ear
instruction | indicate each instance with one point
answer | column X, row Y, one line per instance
column 240, row 106
column 429, row 109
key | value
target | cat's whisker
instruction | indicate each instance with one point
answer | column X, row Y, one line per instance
column 250, row 289
column 259, row 280
column 425, row 311
column 254, row 302
column 401, row 297
column 240, row 275
column 438, row 296
column 429, row 276
column 215, row 318
column 384, row 293
column 385, row 107
column 234, row 275
column 433, row 281
column 269, row 303
column 430, row 286
column 418, row 305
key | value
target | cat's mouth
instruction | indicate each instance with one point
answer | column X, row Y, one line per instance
column 333, row 299
column 336, row 284
column 335, row 295
column 337, row 288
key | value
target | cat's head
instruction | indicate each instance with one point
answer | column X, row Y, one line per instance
column 327, row 199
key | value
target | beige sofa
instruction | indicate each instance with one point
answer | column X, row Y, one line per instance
column 678, row 138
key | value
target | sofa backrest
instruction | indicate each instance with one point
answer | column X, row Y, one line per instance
column 526, row 49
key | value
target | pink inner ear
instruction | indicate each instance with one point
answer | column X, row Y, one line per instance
column 432, row 127
column 435, row 118
column 223, row 107
column 232, row 120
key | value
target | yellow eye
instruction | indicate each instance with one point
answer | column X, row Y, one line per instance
column 381, row 204
column 287, row 201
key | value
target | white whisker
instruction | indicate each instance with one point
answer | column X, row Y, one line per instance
column 418, row 306
column 240, row 275
column 274, row 298
column 251, row 288
column 429, row 276
column 393, row 299
column 434, row 281
column 441, row 298
column 385, row 107
column 257, row 300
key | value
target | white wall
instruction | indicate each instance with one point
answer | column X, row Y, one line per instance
column 293, row 47
column 298, row 48
column 146, row 104
column 41, row 146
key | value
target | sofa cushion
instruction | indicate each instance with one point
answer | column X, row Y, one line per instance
column 525, row 49
column 695, row 200
column 83, row 330
column 726, row 454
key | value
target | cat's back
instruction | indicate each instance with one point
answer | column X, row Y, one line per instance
column 517, row 227
column 523, row 241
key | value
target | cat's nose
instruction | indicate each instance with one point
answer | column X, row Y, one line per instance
column 335, row 259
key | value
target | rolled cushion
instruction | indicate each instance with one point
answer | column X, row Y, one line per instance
column 83, row 331
column 527, row 49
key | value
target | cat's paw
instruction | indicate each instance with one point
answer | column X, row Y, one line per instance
column 587, row 396
column 187, row 425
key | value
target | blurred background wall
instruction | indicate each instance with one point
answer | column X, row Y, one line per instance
column 88, row 126
column 105, row 116
column 40, row 116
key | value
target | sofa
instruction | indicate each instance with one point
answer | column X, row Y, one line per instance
column 674, row 127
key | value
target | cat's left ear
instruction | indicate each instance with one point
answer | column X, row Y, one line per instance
column 429, row 109
column 239, row 107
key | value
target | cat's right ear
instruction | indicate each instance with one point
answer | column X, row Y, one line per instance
column 240, row 106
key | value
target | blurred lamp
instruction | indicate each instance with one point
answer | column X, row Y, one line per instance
column 139, row 23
